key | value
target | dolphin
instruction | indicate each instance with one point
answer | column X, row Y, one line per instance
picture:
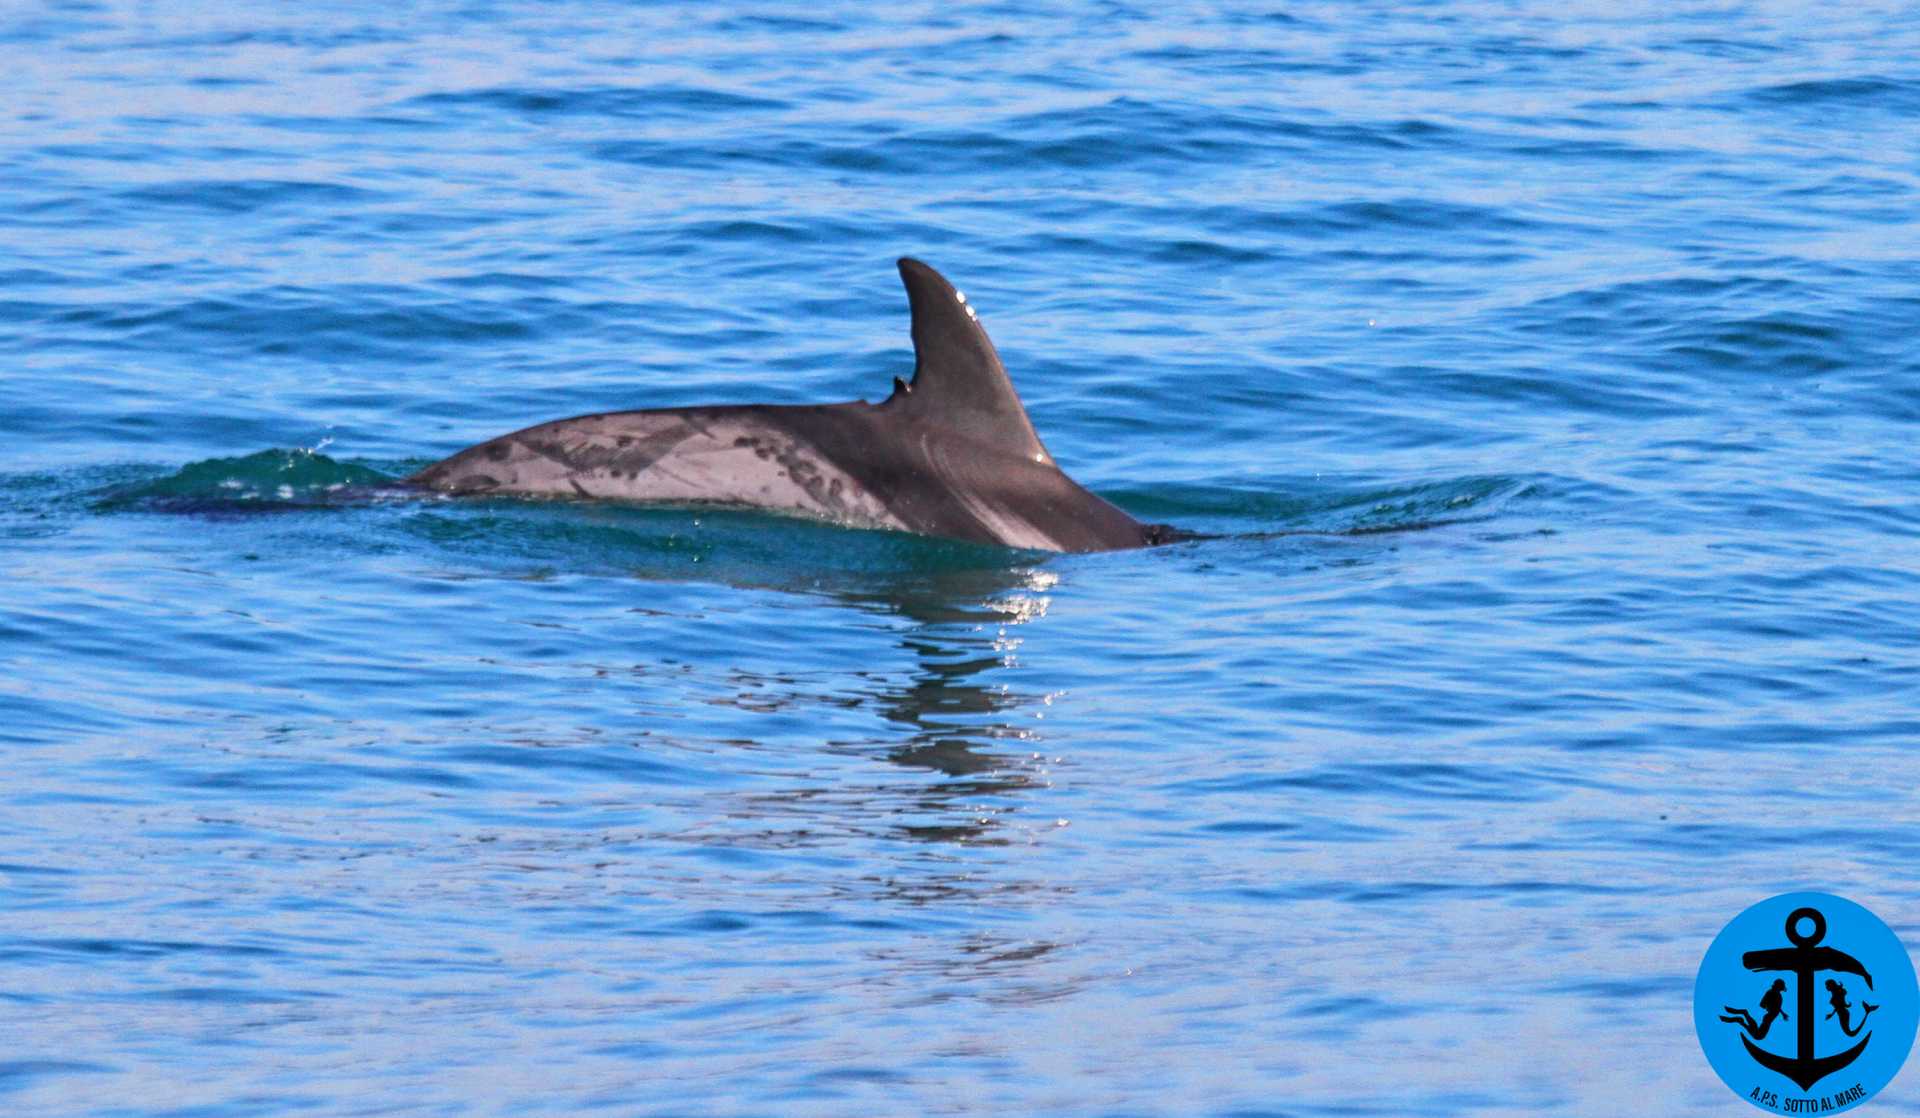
column 950, row 453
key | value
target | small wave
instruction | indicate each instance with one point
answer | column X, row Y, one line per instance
column 1396, row 780
column 236, row 196
column 1207, row 253
column 19, row 1074
column 342, row 321
column 640, row 101
column 1885, row 93
column 1714, row 47
column 1650, row 302
column 1393, row 224
column 1421, row 214
column 1122, row 133
column 323, row 38
column 1360, row 510
column 269, row 479
column 778, row 23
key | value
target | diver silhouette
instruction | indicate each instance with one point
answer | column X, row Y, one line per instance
column 1769, row 1001
column 1837, row 997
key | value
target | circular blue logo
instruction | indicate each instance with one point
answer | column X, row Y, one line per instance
column 1806, row 1004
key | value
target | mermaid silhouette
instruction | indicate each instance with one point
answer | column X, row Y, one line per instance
column 1769, row 1001
column 1837, row 997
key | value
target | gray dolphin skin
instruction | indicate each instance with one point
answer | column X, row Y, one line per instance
column 950, row 453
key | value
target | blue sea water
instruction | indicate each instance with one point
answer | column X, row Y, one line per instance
column 1550, row 370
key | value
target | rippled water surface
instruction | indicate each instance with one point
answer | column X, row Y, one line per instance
column 1549, row 371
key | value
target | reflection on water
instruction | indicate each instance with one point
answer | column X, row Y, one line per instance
column 888, row 798
column 958, row 704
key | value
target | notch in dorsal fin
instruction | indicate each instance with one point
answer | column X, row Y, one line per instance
column 958, row 380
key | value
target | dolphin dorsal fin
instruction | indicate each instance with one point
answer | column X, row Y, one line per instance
column 958, row 380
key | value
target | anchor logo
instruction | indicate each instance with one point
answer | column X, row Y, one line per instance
column 1837, row 1011
column 1803, row 960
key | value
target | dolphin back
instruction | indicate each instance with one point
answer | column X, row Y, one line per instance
column 952, row 453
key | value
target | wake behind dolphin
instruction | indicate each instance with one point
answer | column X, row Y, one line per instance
column 950, row 453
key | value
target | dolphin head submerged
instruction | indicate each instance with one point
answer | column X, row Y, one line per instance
column 950, row 453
